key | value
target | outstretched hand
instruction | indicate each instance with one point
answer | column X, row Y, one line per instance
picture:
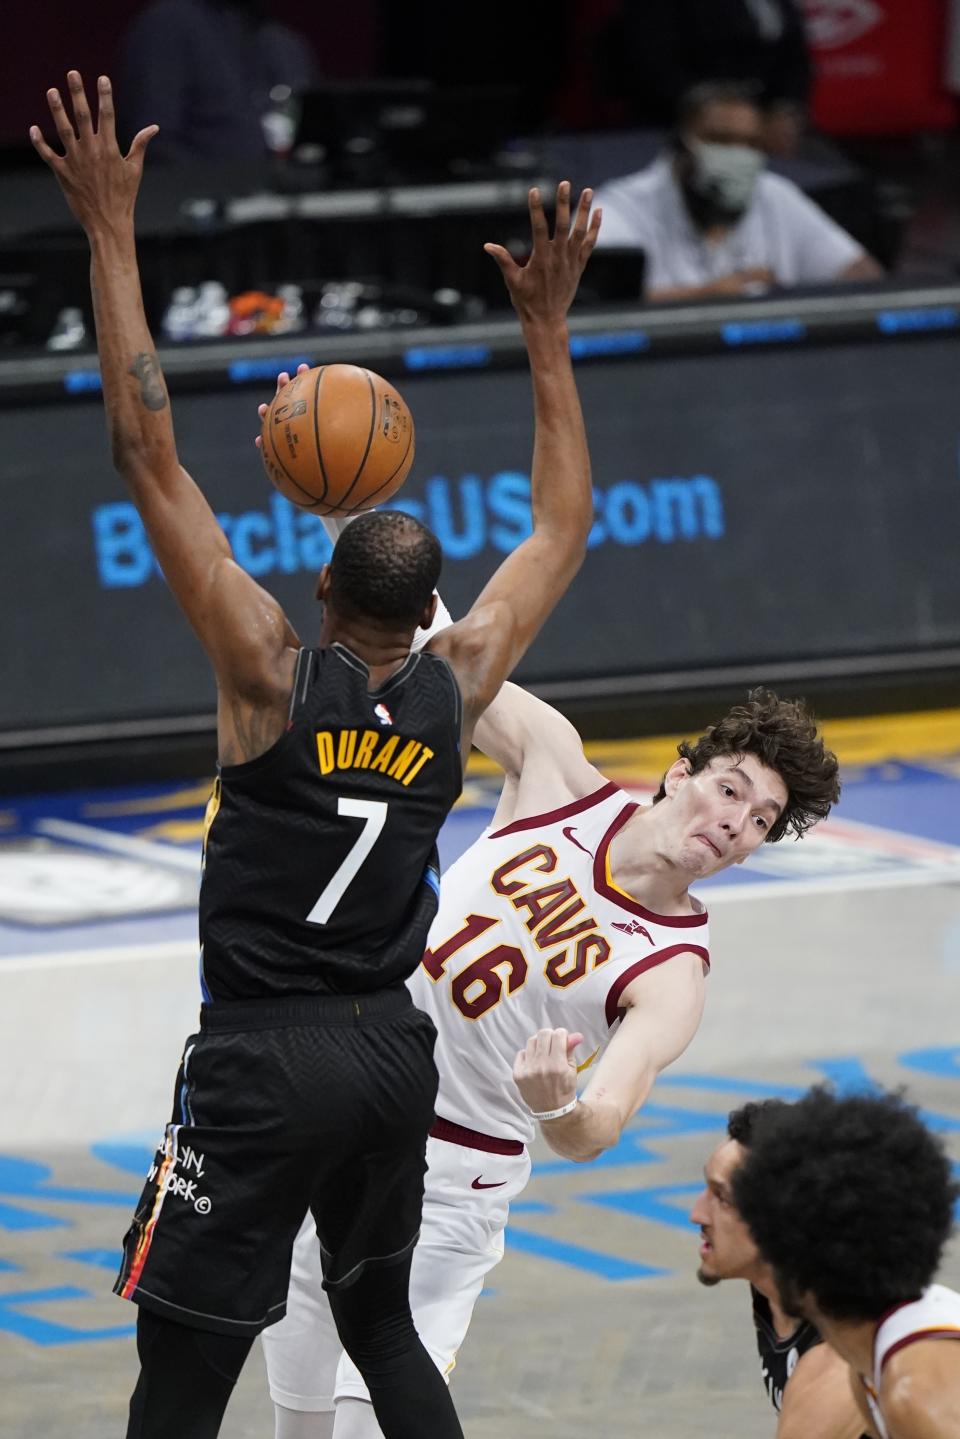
column 543, row 288
column 100, row 184
column 282, row 379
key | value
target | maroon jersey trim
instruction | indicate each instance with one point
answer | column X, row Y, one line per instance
column 473, row 1139
column 613, row 1010
column 940, row 1331
column 616, row 896
column 550, row 816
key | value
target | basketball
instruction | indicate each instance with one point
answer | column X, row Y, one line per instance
column 337, row 439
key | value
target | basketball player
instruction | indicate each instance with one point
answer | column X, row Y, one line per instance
column 807, row 1381
column 566, row 940
column 850, row 1202
column 311, row 1082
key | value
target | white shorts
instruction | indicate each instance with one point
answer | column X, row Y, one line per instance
column 466, row 1202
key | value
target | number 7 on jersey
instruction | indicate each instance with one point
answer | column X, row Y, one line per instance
column 373, row 812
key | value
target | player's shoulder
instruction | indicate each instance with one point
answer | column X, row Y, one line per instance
column 915, row 1400
column 637, row 187
column 547, row 797
column 778, row 192
column 921, row 1362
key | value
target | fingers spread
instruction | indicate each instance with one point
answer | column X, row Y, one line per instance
column 61, row 119
column 582, row 215
column 562, row 226
column 106, row 124
column 538, row 221
column 590, row 240
column 282, row 379
column 503, row 258
column 140, row 142
column 42, row 148
column 78, row 99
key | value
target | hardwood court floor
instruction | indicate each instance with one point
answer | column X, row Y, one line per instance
column 594, row 1327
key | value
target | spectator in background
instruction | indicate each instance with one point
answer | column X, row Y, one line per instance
column 712, row 222
column 203, row 70
column 651, row 55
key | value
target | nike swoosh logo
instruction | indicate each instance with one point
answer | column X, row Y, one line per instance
column 478, row 1185
column 570, row 835
column 587, row 1062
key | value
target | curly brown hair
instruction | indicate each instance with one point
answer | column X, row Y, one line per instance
column 781, row 734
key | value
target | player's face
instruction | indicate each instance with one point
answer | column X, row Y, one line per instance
column 722, row 814
column 726, row 1248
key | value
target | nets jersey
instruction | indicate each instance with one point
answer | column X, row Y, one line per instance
column 320, row 861
column 532, row 933
column 779, row 1357
column 935, row 1315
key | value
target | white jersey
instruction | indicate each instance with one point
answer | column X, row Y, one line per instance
column 935, row 1315
column 533, row 933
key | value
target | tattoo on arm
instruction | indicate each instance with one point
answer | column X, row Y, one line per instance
column 152, row 390
column 254, row 730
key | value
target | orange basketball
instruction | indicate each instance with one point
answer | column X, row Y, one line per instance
column 337, row 439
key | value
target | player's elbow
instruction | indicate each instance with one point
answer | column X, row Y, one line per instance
column 575, row 1153
column 134, row 454
column 125, row 452
column 569, row 539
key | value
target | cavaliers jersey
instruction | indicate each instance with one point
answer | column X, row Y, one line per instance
column 935, row 1315
column 533, row 933
column 320, row 862
column 779, row 1357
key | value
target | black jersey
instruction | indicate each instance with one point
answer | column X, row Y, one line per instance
column 778, row 1357
column 320, row 862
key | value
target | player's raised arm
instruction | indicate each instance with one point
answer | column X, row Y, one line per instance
column 242, row 628
column 485, row 646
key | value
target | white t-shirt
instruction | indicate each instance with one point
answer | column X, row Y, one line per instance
column 783, row 231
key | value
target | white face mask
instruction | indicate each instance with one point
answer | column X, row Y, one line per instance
column 726, row 175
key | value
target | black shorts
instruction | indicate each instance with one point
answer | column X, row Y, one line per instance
column 280, row 1107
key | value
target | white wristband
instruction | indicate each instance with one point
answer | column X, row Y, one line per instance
column 557, row 1113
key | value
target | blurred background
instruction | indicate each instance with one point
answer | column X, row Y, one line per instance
column 779, row 265
column 767, row 346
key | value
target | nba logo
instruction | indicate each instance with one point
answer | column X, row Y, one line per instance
column 383, row 714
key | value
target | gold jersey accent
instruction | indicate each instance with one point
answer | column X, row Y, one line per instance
column 392, row 755
column 212, row 810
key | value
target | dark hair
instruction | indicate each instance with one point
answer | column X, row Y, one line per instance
column 385, row 567
column 849, row 1199
column 782, row 734
column 740, row 1122
column 694, row 101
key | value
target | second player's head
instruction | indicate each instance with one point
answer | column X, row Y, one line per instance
column 727, row 1248
column 849, row 1200
column 384, row 570
column 761, row 772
